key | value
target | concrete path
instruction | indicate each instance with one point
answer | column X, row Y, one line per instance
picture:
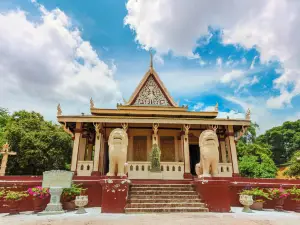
column 94, row 217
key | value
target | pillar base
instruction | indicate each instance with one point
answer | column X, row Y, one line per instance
column 74, row 173
column 236, row 175
column 96, row 173
column 187, row 176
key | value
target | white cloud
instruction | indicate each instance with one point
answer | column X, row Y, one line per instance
column 219, row 62
column 232, row 76
column 158, row 59
column 269, row 25
column 198, row 106
column 47, row 62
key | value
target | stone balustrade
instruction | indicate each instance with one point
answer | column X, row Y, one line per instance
column 169, row 170
column 225, row 169
column 84, row 168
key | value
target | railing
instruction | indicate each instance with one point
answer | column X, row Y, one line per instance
column 225, row 170
column 169, row 170
column 84, row 168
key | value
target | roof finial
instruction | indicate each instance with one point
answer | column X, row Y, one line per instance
column 151, row 60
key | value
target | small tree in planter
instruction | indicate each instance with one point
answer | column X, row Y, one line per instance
column 259, row 197
column 69, row 195
column 279, row 194
column 155, row 159
column 39, row 196
column 13, row 200
column 295, row 194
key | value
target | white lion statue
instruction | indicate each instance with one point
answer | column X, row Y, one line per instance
column 209, row 154
column 117, row 142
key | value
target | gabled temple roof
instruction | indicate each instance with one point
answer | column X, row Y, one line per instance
column 151, row 91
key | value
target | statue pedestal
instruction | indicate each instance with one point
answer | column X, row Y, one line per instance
column 54, row 206
column 155, row 175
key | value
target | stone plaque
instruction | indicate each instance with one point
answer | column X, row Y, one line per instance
column 57, row 178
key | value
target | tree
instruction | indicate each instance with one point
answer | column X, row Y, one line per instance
column 294, row 168
column 255, row 161
column 40, row 145
column 4, row 117
column 155, row 159
column 284, row 141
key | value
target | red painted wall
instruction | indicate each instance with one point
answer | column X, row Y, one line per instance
column 218, row 193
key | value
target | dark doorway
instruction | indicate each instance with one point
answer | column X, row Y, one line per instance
column 194, row 157
column 106, row 158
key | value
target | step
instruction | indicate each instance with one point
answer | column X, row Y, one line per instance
column 150, row 200
column 165, row 205
column 133, row 197
column 165, row 210
column 189, row 188
column 160, row 192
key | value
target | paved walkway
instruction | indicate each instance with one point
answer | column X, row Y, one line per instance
column 94, row 217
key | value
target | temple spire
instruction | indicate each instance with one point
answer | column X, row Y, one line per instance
column 151, row 60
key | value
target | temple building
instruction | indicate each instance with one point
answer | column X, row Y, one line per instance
column 151, row 116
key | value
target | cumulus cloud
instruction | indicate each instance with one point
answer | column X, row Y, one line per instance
column 47, row 60
column 198, row 106
column 269, row 25
column 232, row 75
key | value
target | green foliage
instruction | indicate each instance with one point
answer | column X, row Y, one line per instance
column 155, row 159
column 15, row 195
column 250, row 135
column 255, row 161
column 294, row 168
column 284, row 141
column 4, row 117
column 295, row 193
column 40, row 145
column 259, row 194
column 69, row 194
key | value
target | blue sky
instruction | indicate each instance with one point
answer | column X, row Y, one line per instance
column 200, row 68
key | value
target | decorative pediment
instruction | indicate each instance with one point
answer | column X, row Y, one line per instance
column 151, row 92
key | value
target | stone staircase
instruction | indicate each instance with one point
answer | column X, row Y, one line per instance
column 163, row 198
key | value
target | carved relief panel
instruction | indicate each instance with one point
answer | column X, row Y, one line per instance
column 151, row 94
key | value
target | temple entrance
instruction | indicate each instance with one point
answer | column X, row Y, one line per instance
column 194, row 157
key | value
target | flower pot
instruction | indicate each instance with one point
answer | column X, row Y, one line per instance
column 279, row 204
column 257, row 206
column 39, row 204
column 297, row 209
column 246, row 201
column 69, row 206
column 13, row 206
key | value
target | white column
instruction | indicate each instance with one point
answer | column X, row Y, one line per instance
column 75, row 147
column 223, row 150
column 233, row 150
column 187, row 166
column 98, row 140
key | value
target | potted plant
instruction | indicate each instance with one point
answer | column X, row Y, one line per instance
column 13, row 200
column 279, row 194
column 259, row 197
column 246, row 199
column 295, row 194
column 69, row 195
column 39, row 196
column 2, row 194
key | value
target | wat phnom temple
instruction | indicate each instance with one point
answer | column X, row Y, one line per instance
column 151, row 116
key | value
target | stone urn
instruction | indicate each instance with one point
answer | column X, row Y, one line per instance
column 246, row 201
column 81, row 201
column 69, row 205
